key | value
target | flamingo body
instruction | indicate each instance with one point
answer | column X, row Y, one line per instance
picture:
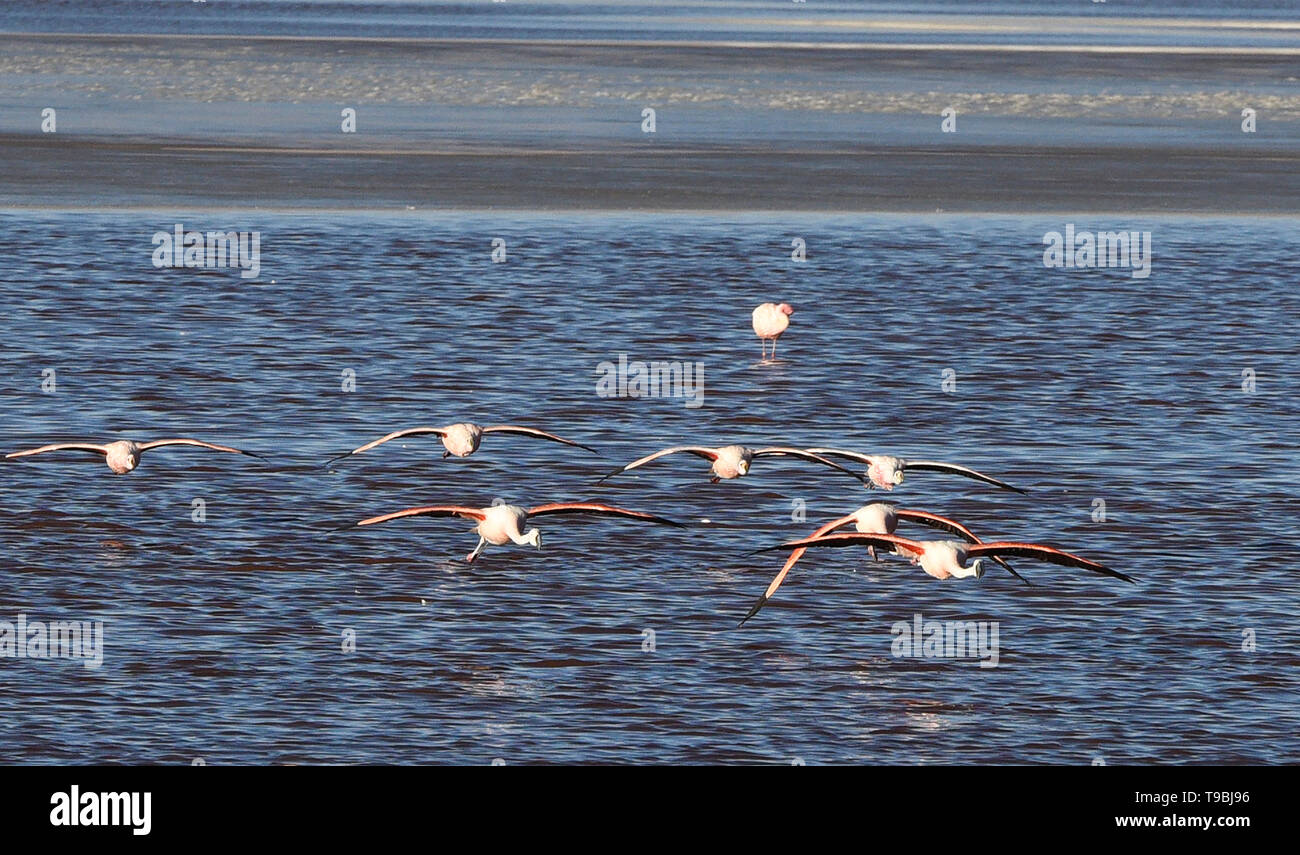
column 502, row 524
column 946, row 559
column 770, row 320
column 875, row 518
column 732, row 462
column 462, row 439
column 122, row 456
column 885, row 471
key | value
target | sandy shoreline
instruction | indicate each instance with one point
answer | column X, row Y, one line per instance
column 696, row 44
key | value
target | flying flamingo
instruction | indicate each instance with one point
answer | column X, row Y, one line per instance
column 886, row 472
column 946, row 559
column 875, row 518
column 501, row 524
column 770, row 320
column 462, row 439
column 124, row 455
column 732, row 461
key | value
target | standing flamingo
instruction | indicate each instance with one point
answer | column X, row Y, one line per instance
column 124, row 455
column 462, row 439
column 875, row 518
column 502, row 524
column 770, row 320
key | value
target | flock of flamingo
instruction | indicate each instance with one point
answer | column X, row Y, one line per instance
column 874, row 524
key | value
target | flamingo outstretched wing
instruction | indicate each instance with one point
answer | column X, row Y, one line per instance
column 159, row 443
column 882, row 541
column 599, row 509
column 789, row 565
column 397, row 434
column 538, row 434
column 59, row 446
column 952, row 468
column 428, row 510
column 1050, row 554
column 697, row 450
column 864, row 459
column 805, row 454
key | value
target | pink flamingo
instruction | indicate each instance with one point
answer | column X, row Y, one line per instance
column 946, row 559
column 770, row 320
column 732, row 461
column 124, row 455
column 462, row 439
column 886, row 472
column 875, row 518
column 502, row 524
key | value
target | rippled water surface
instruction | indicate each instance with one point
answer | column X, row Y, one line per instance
column 223, row 638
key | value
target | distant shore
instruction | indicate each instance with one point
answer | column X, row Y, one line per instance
column 90, row 173
column 217, row 121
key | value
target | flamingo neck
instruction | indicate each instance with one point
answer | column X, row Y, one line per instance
column 533, row 537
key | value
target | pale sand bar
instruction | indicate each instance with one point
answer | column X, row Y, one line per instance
column 181, row 121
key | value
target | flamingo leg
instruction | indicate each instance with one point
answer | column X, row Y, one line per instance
column 478, row 550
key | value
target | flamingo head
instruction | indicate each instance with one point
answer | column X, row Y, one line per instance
column 898, row 477
column 533, row 538
column 785, row 308
column 975, row 568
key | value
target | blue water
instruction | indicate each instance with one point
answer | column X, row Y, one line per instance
column 223, row 638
